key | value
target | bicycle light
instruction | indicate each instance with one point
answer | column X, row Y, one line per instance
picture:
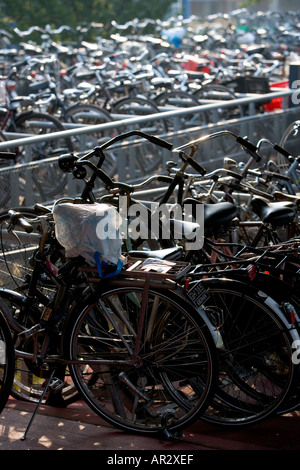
column 66, row 162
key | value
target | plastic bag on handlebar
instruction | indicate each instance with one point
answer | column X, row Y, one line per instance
column 93, row 232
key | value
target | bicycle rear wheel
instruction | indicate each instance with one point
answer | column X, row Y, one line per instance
column 7, row 359
column 90, row 115
column 147, row 160
column 29, row 379
column 257, row 372
column 173, row 374
column 16, row 250
column 172, row 100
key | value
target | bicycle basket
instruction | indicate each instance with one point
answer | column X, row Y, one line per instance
column 90, row 231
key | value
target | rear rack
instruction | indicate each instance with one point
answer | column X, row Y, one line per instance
column 147, row 267
column 282, row 259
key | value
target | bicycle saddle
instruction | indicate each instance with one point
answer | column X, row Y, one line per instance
column 279, row 196
column 174, row 253
column 216, row 216
column 275, row 213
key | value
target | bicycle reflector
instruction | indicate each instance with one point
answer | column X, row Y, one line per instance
column 251, row 269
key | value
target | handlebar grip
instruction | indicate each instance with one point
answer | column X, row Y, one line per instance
column 8, row 155
column 281, row 150
column 277, row 175
column 234, row 175
column 165, row 179
column 250, row 147
column 17, row 219
column 197, row 167
column 160, row 142
column 193, row 164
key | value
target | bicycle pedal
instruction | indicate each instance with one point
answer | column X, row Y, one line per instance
column 56, row 385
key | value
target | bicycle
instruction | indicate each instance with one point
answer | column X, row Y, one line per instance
column 19, row 247
column 245, row 400
column 138, row 350
column 15, row 118
column 273, row 321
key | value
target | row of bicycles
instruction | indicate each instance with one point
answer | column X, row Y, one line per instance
column 187, row 310
column 48, row 84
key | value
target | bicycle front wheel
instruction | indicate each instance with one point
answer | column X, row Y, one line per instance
column 166, row 380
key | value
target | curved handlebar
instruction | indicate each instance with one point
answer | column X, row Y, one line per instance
column 18, row 219
column 247, row 146
column 275, row 146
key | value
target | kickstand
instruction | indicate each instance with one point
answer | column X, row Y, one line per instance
column 166, row 434
column 37, row 406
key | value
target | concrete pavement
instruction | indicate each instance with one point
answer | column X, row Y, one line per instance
column 78, row 428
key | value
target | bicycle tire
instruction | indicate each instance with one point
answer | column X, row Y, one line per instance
column 16, row 249
column 290, row 141
column 181, row 99
column 257, row 373
column 223, row 93
column 7, row 359
column 5, row 178
column 90, row 115
column 146, row 161
column 28, row 382
column 117, row 392
column 47, row 180
column 37, row 123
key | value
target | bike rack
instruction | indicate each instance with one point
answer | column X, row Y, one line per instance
column 251, row 126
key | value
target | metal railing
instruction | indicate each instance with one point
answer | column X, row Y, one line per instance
column 41, row 181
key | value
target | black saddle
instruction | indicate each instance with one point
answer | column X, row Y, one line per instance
column 174, row 253
column 217, row 217
column 275, row 213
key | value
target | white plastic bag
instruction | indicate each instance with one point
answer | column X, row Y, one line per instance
column 90, row 231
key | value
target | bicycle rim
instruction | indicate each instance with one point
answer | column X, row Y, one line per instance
column 172, row 377
column 28, row 383
column 257, row 373
column 7, row 360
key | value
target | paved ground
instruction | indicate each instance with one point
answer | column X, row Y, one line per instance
column 78, row 428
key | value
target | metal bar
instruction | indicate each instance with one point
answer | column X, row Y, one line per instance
column 150, row 117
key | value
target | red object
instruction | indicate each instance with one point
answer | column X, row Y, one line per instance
column 276, row 103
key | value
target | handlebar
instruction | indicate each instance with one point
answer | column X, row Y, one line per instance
column 67, row 162
column 71, row 163
column 275, row 146
column 247, row 146
column 18, row 219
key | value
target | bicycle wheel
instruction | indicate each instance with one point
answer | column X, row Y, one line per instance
column 146, row 160
column 29, row 379
column 90, row 115
column 172, row 100
column 290, row 141
column 257, row 372
column 215, row 92
column 172, row 374
column 47, row 180
column 5, row 179
column 36, row 123
column 7, row 359
column 16, row 250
